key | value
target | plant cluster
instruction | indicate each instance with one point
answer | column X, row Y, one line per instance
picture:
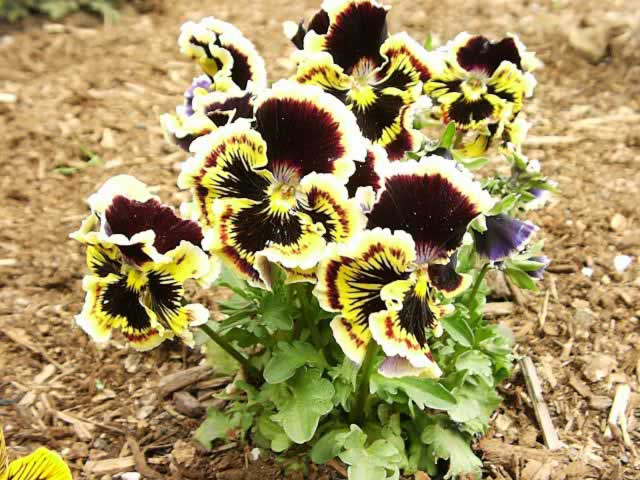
column 14, row 10
column 354, row 245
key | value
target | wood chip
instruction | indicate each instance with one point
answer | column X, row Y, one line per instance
column 141, row 462
column 580, row 387
column 184, row 378
column 83, row 430
column 549, row 433
column 498, row 309
column 110, row 466
column 45, row 374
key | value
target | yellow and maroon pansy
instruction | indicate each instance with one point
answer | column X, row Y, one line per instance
column 377, row 76
column 223, row 53
column 140, row 254
column 275, row 192
column 479, row 82
column 433, row 200
column 367, row 179
column 43, row 464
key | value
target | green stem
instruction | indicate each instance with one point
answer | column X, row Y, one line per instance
column 227, row 347
column 358, row 412
column 477, row 283
column 303, row 294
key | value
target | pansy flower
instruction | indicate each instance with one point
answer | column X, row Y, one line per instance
column 140, row 254
column 388, row 283
column 348, row 53
column 479, row 82
column 503, row 236
column 223, row 52
column 232, row 69
column 43, row 464
column 275, row 190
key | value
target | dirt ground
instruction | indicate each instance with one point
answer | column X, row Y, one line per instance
column 83, row 86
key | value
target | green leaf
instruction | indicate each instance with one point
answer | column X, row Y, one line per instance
column 276, row 312
column 423, row 391
column 446, row 442
column 288, row 358
column 521, row 278
column 274, row 433
column 476, row 363
column 377, row 461
column 216, row 426
column 328, row 446
column 476, row 403
column 458, row 329
column 310, row 397
column 504, row 205
column 475, row 163
column 449, row 134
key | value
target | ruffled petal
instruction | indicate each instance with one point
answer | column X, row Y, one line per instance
column 222, row 108
column 296, row 32
column 307, row 130
column 222, row 51
column 447, row 280
column 357, row 29
column 350, row 280
column 406, row 63
column 227, row 164
column 398, row 367
column 433, row 201
column 367, row 179
column 242, row 231
column 114, row 302
column 181, row 130
column 504, row 236
column 42, row 464
column 143, row 231
column 478, row 53
column 386, row 118
column 352, row 336
column 327, row 203
column 318, row 68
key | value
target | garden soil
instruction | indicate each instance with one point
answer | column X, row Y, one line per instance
column 81, row 89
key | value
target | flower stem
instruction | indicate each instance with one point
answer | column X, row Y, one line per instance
column 227, row 347
column 477, row 283
column 303, row 294
column 358, row 412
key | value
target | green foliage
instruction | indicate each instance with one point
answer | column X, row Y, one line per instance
column 13, row 10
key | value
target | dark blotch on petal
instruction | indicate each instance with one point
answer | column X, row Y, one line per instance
column 365, row 175
column 445, row 277
column 165, row 295
column 481, row 54
column 230, row 109
column 241, row 71
column 464, row 112
column 118, row 300
column 128, row 217
column 357, row 34
column 375, row 118
column 504, row 236
column 300, row 136
column 429, row 208
column 416, row 317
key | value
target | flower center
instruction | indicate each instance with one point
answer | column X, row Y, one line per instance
column 475, row 86
column 283, row 197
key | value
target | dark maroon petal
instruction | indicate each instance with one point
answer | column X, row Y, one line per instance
column 301, row 136
column 465, row 112
column 357, row 34
column 445, row 277
column 428, row 207
column 128, row 217
column 365, row 174
column 504, row 236
column 319, row 23
column 480, row 54
column 227, row 108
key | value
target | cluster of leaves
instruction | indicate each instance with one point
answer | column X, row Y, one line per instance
column 13, row 10
column 409, row 424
